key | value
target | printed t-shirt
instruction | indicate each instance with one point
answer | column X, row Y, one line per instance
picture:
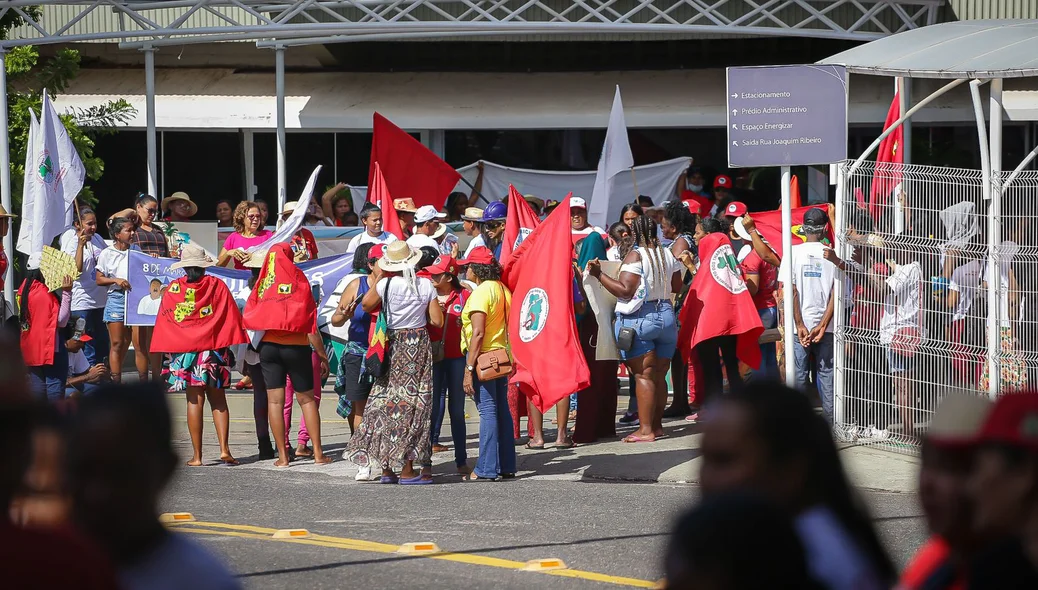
column 304, row 246
column 236, row 240
column 493, row 299
column 454, row 304
column 813, row 277
column 86, row 294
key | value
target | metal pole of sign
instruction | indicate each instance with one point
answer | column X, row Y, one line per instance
column 995, row 240
column 149, row 102
column 787, row 281
column 5, row 185
column 279, row 82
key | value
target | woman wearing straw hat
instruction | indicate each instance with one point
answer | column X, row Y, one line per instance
column 398, row 414
column 179, row 207
column 197, row 323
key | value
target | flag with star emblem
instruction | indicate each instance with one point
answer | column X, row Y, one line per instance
column 194, row 317
column 890, row 161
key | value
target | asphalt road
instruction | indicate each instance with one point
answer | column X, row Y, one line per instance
column 609, row 534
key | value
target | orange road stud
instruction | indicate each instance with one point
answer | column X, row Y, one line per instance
column 176, row 517
column 541, row 565
column 291, row 534
column 418, row 549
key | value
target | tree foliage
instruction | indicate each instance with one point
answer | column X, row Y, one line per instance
column 27, row 77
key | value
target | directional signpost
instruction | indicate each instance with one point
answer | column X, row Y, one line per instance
column 787, row 116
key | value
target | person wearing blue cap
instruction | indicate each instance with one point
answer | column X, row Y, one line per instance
column 494, row 226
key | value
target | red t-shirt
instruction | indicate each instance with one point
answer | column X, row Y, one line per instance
column 452, row 321
column 767, row 278
column 304, row 241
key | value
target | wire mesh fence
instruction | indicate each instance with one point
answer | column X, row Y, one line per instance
column 940, row 295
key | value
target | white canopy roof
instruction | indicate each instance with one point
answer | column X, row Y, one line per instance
column 965, row 49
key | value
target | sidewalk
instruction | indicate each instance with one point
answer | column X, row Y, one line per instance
column 672, row 460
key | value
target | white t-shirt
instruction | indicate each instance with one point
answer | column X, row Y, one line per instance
column 613, row 255
column 112, row 263
column 966, row 280
column 901, row 306
column 582, row 233
column 364, row 238
column 833, row 557
column 419, row 241
column 149, row 306
column 656, row 288
column 86, row 294
column 476, row 242
column 77, row 364
column 813, row 277
column 407, row 309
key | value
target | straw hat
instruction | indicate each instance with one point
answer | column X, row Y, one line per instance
column 440, row 231
column 473, row 214
column 399, row 256
column 193, row 255
column 5, row 215
column 536, row 202
column 289, row 208
column 405, row 205
column 179, row 196
column 256, row 260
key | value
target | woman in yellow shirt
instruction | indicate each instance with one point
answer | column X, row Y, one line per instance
column 484, row 328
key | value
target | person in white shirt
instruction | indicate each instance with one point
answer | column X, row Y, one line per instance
column 83, row 378
column 579, row 226
column 618, row 232
column 901, row 328
column 811, row 267
column 371, row 219
column 426, row 223
column 473, row 227
column 88, row 298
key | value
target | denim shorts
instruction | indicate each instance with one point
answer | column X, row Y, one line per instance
column 115, row 307
column 897, row 363
column 654, row 330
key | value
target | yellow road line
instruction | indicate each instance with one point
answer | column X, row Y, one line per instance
column 264, row 534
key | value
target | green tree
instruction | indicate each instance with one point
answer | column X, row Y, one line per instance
column 27, row 77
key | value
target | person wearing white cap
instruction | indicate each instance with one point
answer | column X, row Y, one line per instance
column 42, row 316
column 578, row 220
column 371, row 219
column 426, row 223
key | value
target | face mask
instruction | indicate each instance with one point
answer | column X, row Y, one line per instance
column 696, row 188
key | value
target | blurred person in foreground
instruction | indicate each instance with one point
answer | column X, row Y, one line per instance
column 768, row 439
column 947, row 457
column 1004, row 489
column 736, row 542
column 116, row 489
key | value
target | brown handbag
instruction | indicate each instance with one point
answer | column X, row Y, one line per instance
column 493, row 364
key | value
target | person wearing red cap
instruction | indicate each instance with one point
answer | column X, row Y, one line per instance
column 448, row 360
column 1004, row 489
column 722, row 192
column 83, row 378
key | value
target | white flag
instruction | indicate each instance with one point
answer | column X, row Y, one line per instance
column 28, row 187
column 54, row 176
column 295, row 220
column 616, row 158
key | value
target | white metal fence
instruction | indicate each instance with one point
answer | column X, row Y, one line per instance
column 939, row 277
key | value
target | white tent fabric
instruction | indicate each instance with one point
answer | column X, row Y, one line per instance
column 655, row 180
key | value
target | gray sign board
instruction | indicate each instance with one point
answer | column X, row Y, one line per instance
column 787, row 115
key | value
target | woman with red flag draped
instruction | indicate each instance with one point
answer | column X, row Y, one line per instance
column 719, row 320
column 197, row 322
column 282, row 307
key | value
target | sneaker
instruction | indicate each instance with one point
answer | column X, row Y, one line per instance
column 364, row 474
column 877, row 434
column 629, row 419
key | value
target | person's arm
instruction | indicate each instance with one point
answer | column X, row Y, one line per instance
column 347, row 304
column 798, row 320
column 66, row 302
column 830, row 255
column 626, row 286
column 103, row 281
column 678, row 247
column 752, row 282
column 326, row 201
column 372, row 300
column 318, row 345
column 819, row 331
column 436, row 319
column 763, row 250
column 81, row 243
column 477, row 188
column 478, row 322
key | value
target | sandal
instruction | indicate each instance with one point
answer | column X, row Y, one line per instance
column 439, row 448
column 569, row 444
column 474, row 477
column 389, row 479
column 418, row 480
column 534, row 447
column 634, row 438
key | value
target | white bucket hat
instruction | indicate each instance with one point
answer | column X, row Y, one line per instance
column 193, row 255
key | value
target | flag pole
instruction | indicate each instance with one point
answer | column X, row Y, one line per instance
column 634, row 179
column 787, row 284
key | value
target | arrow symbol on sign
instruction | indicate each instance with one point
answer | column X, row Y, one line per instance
column 735, row 143
column 735, row 96
column 735, row 112
column 734, row 126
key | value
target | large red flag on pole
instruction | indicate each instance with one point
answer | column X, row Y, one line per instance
column 719, row 304
column 542, row 328
column 890, row 161
column 411, row 170
column 519, row 223
column 769, row 224
column 378, row 194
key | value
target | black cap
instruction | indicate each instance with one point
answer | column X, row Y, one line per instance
column 815, row 220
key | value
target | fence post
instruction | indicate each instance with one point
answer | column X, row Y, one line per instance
column 995, row 242
column 839, row 387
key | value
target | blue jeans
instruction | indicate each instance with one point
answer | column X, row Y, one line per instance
column 768, row 356
column 85, row 389
column 655, row 330
column 496, row 446
column 96, row 350
column 823, row 353
column 48, row 382
column 449, row 396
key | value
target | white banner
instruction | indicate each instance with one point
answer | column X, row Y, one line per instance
column 286, row 230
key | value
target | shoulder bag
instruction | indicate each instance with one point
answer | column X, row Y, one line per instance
column 494, row 363
column 376, row 362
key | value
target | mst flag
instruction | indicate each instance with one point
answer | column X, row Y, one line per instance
column 282, row 299
column 378, row 194
column 719, row 304
column 542, row 328
column 57, row 175
column 616, row 157
column 519, row 223
column 890, row 160
column 769, row 224
column 411, row 170
column 194, row 317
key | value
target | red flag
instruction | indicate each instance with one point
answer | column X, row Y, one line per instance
column 890, row 159
column 411, row 169
column 282, row 299
column 378, row 194
column 542, row 328
column 194, row 317
column 794, row 192
column 769, row 224
column 719, row 304
column 521, row 221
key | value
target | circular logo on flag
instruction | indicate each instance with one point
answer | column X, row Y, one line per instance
column 725, row 269
column 45, row 168
column 534, row 314
column 523, row 232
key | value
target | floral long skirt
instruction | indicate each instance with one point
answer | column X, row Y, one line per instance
column 398, row 415
column 209, row 368
column 1012, row 368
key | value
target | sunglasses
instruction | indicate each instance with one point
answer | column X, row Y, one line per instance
column 254, row 216
column 151, row 210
